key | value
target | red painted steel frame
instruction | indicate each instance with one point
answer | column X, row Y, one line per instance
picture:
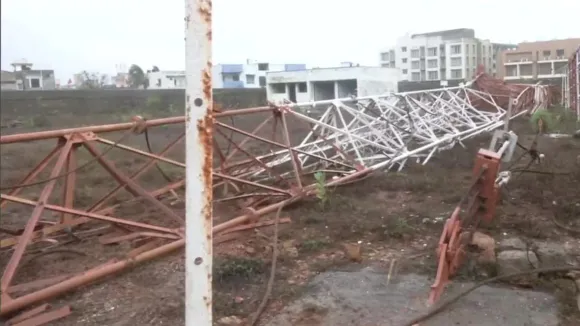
column 481, row 203
column 231, row 176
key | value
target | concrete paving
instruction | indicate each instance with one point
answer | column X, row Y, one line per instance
column 363, row 298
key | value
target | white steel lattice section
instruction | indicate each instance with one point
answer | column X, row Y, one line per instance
column 382, row 131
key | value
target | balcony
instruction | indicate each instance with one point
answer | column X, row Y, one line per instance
column 518, row 77
column 555, row 75
column 548, row 59
column 232, row 69
column 233, row 84
column 294, row 67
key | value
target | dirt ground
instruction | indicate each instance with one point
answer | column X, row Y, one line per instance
column 394, row 215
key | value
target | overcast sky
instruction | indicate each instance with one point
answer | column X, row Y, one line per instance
column 73, row 35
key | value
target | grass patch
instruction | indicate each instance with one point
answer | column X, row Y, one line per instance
column 237, row 267
column 557, row 119
column 398, row 227
column 312, row 245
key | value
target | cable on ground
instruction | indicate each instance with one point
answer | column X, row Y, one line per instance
column 268, row 292
column 444, row 305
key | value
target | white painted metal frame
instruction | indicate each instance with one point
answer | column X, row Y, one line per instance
column 383, row 131
column 578, row 84
column 198, row 248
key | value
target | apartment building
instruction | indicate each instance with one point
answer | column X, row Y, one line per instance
column 443, row 55
column 538, row 60
column 252, row 74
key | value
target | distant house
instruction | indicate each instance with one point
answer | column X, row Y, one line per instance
column 121, row 80
column 166, row 79
column 320, row 84
column 8, row 81
column 33, row 79
column 251, row 74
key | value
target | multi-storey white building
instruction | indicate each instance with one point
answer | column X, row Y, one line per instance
column 444, row 55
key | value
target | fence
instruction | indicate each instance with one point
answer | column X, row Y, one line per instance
column 571, row 84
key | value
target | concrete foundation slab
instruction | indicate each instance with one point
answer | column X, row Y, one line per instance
column 363, row 298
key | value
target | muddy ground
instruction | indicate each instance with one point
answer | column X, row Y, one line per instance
column 394, row 215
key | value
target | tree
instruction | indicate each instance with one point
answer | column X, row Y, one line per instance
column 137, row 77
column 155, row 69
column 92, row 80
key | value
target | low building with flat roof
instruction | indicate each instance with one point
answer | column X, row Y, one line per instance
column 330, row 83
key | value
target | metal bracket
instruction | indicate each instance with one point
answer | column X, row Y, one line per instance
column 502, row 137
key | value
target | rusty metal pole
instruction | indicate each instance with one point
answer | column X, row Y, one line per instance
column 199, row 142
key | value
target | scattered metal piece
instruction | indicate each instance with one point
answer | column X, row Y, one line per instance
column 28, row 314
column 46, row 317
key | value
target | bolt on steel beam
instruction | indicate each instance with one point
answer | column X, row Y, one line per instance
column 199, row 147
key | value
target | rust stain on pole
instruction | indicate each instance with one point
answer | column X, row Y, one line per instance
column 205, row 12
column 205, row 129
column 205, row 126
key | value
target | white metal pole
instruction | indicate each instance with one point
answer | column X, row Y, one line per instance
column 198, row 101
column 578, row 84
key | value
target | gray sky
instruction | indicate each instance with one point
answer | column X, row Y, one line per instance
column 72, row 35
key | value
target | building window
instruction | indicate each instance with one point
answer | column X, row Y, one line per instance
column 432, row 63
column 404, row 60
column 302, row 88
column 432, row 52
column 415, row 65
column 546, row 54
column 560, row 53
column 278, row 88
column 432, row 75
column 250, row 79
column 466, row 61
column 455, row 62
column 405, row 71
column 416, row 76
column 263, row 67
column 34, row 82
column 456, row 73
column 473, row 47
column 404, row 49
column 455, row 49
column 158, row 82
column 262, row 81
column 466, row 48
column 236, row 77
column 385, row 56
column 415, row 53
column 473, row 61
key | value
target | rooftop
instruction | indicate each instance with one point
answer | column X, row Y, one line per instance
column 450, row 33
column 329, row 68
